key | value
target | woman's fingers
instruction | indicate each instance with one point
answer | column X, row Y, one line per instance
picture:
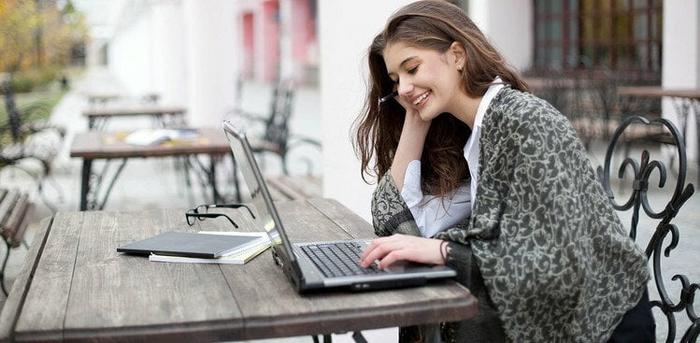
column 411, row 112
column 406, row 106
column 389, row 250
column 392, row 257
column 376, row 250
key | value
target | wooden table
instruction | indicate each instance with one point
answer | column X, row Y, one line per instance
column 685, row 101
column 75, row 285
column 96, row 145
column 106, row 97
column 165, row 116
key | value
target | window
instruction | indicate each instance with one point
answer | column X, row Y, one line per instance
column 619, row 35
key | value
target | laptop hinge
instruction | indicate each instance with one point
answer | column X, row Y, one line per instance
column 291, row 269
column 297, row 271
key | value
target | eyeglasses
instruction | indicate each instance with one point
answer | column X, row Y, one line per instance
column 202, row 211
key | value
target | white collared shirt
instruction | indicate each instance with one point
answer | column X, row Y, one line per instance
column 435, row 214
column 471, row 149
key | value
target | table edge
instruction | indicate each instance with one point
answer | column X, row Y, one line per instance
column 15, row 301
column 356, row 319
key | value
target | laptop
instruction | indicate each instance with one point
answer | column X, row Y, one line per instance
column 319, row 266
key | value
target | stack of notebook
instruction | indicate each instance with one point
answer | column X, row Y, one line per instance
column 202, row 247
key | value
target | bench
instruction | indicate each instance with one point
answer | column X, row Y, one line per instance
column 673, row 305
column 294, row 187
column 15, row 211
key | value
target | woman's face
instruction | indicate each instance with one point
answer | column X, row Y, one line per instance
column 427, row 81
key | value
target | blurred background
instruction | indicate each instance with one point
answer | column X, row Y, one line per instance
column 304, row 61
column 213, row 56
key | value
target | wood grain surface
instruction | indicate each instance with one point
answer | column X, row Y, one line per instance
column 82, row 289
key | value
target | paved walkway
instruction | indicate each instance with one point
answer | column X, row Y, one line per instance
column 152, row 183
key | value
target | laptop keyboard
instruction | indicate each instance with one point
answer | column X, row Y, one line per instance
column 338, row 259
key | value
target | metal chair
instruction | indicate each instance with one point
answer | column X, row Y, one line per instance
column 25, row 145
column 275, row 137
column 638, row 200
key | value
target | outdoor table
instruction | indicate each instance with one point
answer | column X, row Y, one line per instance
column 106, row 97
column 75, row 286
column 685, row 101
column 96, row 145
column 102, row 98
column 165, row 116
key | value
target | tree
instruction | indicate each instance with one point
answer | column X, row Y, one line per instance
column 38, row 33
column 18, row 23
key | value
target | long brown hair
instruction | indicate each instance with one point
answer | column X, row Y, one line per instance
column 435, row 25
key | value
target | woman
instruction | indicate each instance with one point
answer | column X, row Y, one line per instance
column 478, row 174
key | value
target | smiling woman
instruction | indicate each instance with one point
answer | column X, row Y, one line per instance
column 472, row 175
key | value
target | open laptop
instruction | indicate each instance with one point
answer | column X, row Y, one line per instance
column 314, row 266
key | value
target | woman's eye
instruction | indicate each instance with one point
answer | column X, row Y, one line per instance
column 413, row 70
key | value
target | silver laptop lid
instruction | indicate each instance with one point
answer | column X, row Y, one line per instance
column 267, row 214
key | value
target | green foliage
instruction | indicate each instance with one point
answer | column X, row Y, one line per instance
column 36, row 106
column 27, row 81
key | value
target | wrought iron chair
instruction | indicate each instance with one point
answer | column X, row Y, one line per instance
column 20, row 123
column 638, row 200
column 609, row 105
column 24, row 144
column 275, row 137
column 564, row 90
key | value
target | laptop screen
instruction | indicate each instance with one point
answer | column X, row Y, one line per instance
column 266, row 215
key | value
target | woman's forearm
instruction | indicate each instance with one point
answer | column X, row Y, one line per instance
column 410, row 147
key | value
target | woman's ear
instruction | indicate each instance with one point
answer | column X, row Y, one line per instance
column 459, row 54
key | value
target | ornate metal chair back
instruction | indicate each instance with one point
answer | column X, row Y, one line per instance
column 277, row 125
column 638, row 201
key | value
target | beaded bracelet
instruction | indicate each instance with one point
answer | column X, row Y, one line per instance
column 443, row 251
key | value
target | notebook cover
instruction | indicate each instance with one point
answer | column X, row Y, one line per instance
column 188, row 244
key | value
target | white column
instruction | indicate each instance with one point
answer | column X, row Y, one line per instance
column 343, row 46
column 169, row 52
column 259, row 38
column 93, row 51
column 286, row 58
column 211, row 61
column 131, row 50
column 508, row 25
column 681, row 61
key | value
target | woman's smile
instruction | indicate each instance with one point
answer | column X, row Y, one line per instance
column 422, row 99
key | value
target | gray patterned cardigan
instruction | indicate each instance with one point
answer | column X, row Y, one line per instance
column 543, row 251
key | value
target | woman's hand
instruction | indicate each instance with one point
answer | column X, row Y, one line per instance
column 411, row 143
column 389, row 250
column 413, row 124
